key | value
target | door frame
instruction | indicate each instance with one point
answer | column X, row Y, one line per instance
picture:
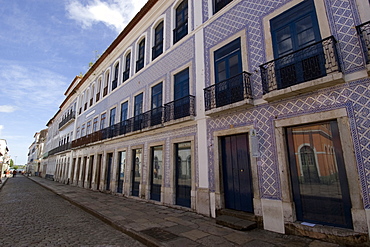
column 193, row 193
column 150, row 168
column 340, row 115
column 218, row 177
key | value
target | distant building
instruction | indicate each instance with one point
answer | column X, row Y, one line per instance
column 259, row 107
column 4, row 157
column 35, row 163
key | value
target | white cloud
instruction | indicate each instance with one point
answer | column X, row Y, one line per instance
column 7, row 108
column 30, row 88
column 1, row 129
column 113, row 13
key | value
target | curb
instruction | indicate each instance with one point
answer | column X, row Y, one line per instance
column 148, row 241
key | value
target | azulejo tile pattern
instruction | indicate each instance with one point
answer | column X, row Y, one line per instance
column 343, row 18
column 248, row 16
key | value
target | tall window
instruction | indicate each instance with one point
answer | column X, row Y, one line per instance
column 102, row 120
column 158, row 41
column 156, row 114
column 95, row 124
column 98, row 90
column 291, row 31
column 140, row 55
column 138, row 110
column 181, row 84
column 124, row 108
column 181, row 21
column 319, row 180
column 105, row 90
column 92, row 95
column 219, row 4
column 126, row 73
column 112, row 116
column 181, row 94
column 88, row 128
column 115, row 80
column 83, row 130
column 228, row 68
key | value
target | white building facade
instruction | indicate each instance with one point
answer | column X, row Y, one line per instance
column 209, row 105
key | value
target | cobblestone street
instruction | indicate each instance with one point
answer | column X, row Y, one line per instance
column 34, row 216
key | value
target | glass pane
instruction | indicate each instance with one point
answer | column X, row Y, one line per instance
column 284, row 41
column 184, row 164
column 122, row 165
column 138, row 104
column 234, row 65
column 124, row 111
column 137, row 168
column 319, row 188
column 181, row 84
column 157, row 165
column 221, row 71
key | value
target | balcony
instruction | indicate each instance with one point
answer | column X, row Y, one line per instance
column 61, row 148
column 155, row 118
column 223, row 95
column 363, row 31
column 310, row 68
column 71, row 116
column 180, row 108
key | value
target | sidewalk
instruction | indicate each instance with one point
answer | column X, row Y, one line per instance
column 157, row 225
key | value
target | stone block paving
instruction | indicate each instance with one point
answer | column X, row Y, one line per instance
column 158, row 225
column 34, row 216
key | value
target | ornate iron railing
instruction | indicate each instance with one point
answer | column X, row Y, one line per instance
column 61, row 148
column 308, row 63
column 71, row 115
column 180, row 108
column 363, row 31
column 174, row 110
column 234, row 89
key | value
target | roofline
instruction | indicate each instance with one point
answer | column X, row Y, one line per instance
column 112, row 46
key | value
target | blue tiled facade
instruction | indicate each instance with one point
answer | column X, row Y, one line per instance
column 249, row 20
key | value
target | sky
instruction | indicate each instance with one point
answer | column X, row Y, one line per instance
column 44, row 44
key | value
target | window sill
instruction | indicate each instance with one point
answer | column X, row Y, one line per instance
column 305, row 87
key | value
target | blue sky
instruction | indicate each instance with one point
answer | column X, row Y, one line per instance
column 44, row 44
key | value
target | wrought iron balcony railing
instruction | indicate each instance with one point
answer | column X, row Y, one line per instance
column 156, row 117
column 363, row 31
column 180, row 108
column 61, row 148
column 234, row 89
column 309, row 63
column 71, row 115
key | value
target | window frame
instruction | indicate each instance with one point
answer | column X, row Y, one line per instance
column 140, row 54
column 184, row 23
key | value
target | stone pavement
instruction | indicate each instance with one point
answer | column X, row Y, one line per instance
column 158, row 225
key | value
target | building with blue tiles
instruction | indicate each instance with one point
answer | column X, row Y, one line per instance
column 253, row 107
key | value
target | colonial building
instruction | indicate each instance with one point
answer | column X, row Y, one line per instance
column 4, row 157
column 35, row 154
column 259, row 107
